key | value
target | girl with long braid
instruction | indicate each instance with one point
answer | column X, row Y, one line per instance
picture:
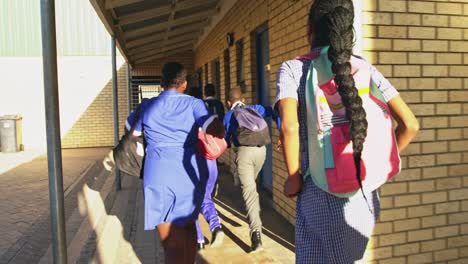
column 335, row 226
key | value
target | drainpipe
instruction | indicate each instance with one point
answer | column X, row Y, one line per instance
column 118, row 179
column 54, row 147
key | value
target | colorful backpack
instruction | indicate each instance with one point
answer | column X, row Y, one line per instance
column 253, row 129
column 331, row 163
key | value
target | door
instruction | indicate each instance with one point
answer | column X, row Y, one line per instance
column 263, row 95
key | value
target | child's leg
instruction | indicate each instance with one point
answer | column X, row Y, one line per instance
column 200, row 236
column 208, row 209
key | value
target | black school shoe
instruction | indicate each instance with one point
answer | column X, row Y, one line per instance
column 217, row 237
column 201, row 245
column 256, row 239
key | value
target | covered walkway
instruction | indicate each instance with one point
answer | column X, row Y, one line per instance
column 106, row 226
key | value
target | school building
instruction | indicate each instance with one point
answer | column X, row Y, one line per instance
column 420, row 46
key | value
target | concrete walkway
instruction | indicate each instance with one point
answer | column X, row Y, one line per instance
column 105, row 226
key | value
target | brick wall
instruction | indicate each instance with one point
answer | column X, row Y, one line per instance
column 421, row 47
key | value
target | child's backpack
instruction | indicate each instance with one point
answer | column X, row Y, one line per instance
column 331, row 163
column 253, row 129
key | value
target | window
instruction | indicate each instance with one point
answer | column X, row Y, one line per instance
column 227, row 72
column 216, row 76
column 206, row 74
column 240, row 63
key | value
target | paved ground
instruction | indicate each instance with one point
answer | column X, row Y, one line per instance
column 24, row 195
column 105, row 226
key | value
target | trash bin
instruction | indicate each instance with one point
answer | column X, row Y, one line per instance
column 11, row 133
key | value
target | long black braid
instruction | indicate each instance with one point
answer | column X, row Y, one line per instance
column 331, row 23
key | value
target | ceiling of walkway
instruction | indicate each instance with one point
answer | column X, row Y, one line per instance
column 148, row 30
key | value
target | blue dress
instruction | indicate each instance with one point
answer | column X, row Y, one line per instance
column 173, row 188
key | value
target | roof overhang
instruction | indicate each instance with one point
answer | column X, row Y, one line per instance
column 148, row 30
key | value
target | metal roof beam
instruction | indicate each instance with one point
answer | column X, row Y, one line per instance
column 162, row 55
column 185, row 20
column 161, row 43
column 174, row 46
column 194, row 28
column 117, row 3
column 160, row 11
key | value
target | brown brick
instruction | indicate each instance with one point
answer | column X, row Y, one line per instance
column 461, row 145
column 460, row 194
column 369, row 31
column 383, row 228
column 386, row 202
column 412, row 149
column 392, row 214
column 459, row 121
column 423, row 109
column 392, row 58
column 430, row 71
column 406, row 45
column 376, row 44
column 393, row 260
column 459, row 22
column 421, row 83
column 420, row 258
column 450, row 33
column 421, row 33
column 457, row 241
column 408, row 175
column 418, row 211
column 458, row 46
column 447, row 184
column 407, row 249
column 447, row 254
column 448, row 158
column 449, row 109
column 435, row 197
column 406, row 200
column 449, row 83
column 435, row 172
column 449, row 58
column 449, row 207
column 434, row 122
column 435, row 45
column 425, row 135
column 433, row 245
column 392, row 32
column 458, row 71
column 435, row 20
column 446, row 231
column 393, row 188
column 392, row 239
column 406, row 19
column 392, row 6
column 449, row 8
column 458, row 96
column 407, row 224
column 458, row 218
column 421, row 186
column 431, row 221
column 421, row 58
column 369, row 5
column 411, row 97
column 450, row 133
column 376, row 18
column 434, row 147
column 380, row 253
column 420, row 235
column 458, row 170
column 421, row 7
column 421, row 161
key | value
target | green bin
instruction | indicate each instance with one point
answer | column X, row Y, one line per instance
column 11, row 133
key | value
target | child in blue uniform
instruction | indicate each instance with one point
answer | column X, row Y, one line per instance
column 173, row 180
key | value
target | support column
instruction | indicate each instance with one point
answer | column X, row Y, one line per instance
column 118, row 179
column 54, row 147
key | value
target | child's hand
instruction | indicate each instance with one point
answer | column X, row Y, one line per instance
column 292, row 186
